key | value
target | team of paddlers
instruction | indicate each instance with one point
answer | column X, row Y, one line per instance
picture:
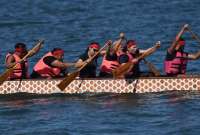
column 120, row 59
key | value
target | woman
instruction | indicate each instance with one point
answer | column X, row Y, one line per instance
column 51, row 65
column 89, row 71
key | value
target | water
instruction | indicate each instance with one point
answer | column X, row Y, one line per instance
column 162, row 113
column 72, row 25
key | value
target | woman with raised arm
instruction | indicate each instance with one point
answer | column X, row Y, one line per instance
column 110, row 58
column 176, row 59
column 14, row 58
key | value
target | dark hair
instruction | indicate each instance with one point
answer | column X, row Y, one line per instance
column 87, row 49
column 56, row 49
column 20, row 45
column 124, row 49
column 132, row 42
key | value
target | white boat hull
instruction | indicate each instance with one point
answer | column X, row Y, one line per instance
column 142, row 85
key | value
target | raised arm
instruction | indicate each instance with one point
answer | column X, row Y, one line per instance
column 174, row 43
column 194, row 56
column 144, row 53
column 118, row 43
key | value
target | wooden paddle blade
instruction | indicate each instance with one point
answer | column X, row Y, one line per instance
column 64, row 83
column 34, row 50
column 122, row 70
column 5, row 75
column 155, row 71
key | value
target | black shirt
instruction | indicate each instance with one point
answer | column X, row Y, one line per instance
column 123, row 58
column 48, row 60
column 88, row 71
column 170, row 56
column 111, row 56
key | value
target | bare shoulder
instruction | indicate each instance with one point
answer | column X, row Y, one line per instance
column 10, row 58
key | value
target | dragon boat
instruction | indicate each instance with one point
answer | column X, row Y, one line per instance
column 102, row 85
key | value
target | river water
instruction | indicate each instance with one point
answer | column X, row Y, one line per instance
column 72, row 25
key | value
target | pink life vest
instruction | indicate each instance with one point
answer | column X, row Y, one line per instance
column 177, row 65
column 18, row 71
column 108, row 66
column 44, row 70
column 135, row 70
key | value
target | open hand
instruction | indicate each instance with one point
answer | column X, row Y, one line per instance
column 121, row 35
column 186, row 26
column 158, row 44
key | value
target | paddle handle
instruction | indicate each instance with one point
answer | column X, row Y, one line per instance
column 33, row 50
column 119, row 42
column 30, row 52
column 194, row 35
column 180, row 34
column 109, row 42
column 153, row 69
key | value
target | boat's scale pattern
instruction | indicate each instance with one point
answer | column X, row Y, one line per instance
column 141, row 85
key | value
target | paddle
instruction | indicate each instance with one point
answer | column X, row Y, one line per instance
column 124, row 68
column 153, row 69
column 30, row 53
column 193, row 34
column 180, row 33
column 68, row 79
column 116, row 47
